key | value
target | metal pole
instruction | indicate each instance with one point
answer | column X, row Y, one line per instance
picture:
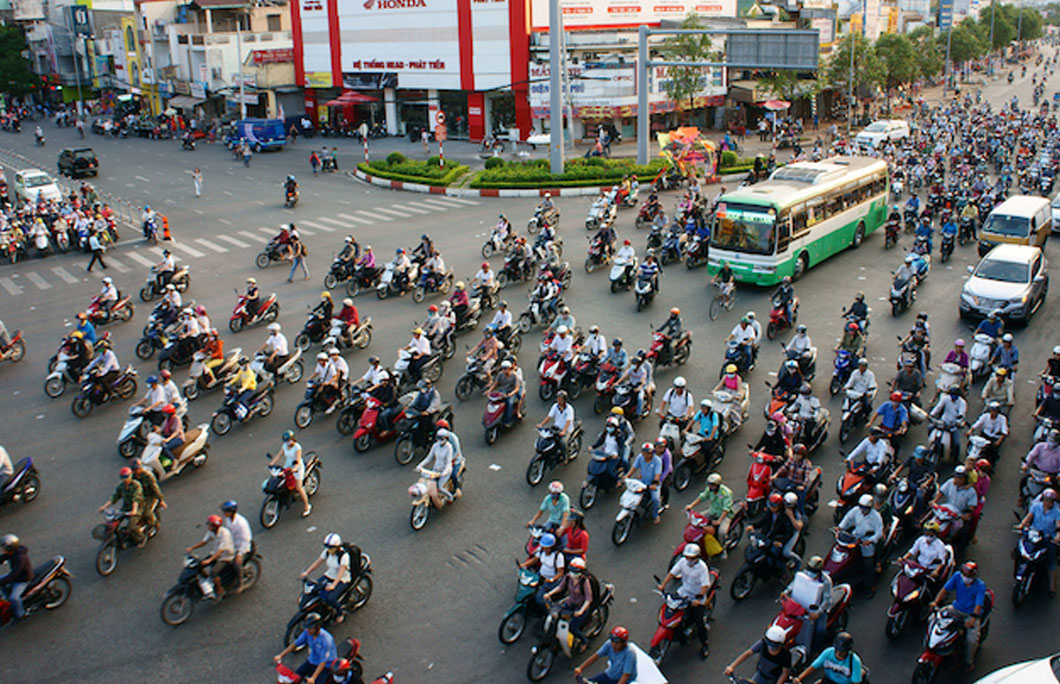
column 643, row 115
column 77, row 73
column 1019, row 25
column 555, row 87
column 850, row 96
column 239, row 56
column 993, row 13
column 949, row 65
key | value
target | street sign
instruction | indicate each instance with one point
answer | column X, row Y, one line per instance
column 80, row 21
column 363, row 130
column 440, row 132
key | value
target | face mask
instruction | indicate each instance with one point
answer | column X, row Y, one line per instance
column 967, row 580
column 610, row 430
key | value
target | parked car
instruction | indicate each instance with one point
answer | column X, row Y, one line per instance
column 1011, row 278
column 33, row 183
column 1055, row 206
column 79, row 161
column 1019, row 220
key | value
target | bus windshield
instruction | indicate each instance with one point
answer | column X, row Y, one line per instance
column 1009, row 226
column 744, row 228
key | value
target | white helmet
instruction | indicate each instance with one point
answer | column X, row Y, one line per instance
column 108, row 280
column 562, row 330
column 691, row 551
column 322, row 356
column 865, row 501
column 347, row 302
column 333, row 539
column 442, row 433
column 555, row 487
column 274, row 327
column 680, row 381
column 776, row 635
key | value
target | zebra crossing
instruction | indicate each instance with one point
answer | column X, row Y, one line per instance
column 141, row 258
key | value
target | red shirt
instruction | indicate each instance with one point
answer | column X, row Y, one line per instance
column 348, row 315
column 577, row 542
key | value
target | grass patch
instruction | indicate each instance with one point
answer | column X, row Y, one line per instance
column 411, row 171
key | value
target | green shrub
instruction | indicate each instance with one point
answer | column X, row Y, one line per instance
column 577, row 172
column 434, row 161
column 729, row 158
column 594, row 161
column 494, row 162
column 395, row 158
column 378, row 164
column 415, row 172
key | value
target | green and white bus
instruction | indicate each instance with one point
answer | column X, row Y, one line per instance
column 804, row 213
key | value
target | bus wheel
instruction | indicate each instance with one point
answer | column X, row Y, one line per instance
column 801, row 265
column 859, row 235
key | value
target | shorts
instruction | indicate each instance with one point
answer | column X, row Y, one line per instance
column 218, row 566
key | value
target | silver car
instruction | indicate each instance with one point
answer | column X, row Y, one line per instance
column 1012, row 279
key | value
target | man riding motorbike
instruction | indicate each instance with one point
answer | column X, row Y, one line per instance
column 865, row 524
column 969, row 602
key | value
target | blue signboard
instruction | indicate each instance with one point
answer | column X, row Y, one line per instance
column 945, row 18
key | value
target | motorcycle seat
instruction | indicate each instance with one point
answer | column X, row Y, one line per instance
column 39, row 574
column 189, row 437
column 18, row 468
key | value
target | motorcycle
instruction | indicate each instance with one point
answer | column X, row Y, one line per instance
column 644, row 291
column 515, row 269
column 194, row 452
column 61, row 374
column 778, row 317
column 601, row 212
column 272, row 254
column 945, row 637
column 538, row 220
column 965, row 231
column 946, row 247
column 310, row 601
column 134, row 432
column 582, row 373
column 732, row 408
column 14, row 350
column 194, row 584
column 474, row 378
column 855, row 413
column 180, row 280
column 431, row 369
column 177, row 353
column 23, row 485
column 1030, row 566
column 597, row 255
column 123, row 387
column 268, row 311
column 647, row 213
column 290, row 198
column 279, row 488
column 675, row 620
column 313, row 403
column 363, row 279
column 558, row 638
column 417, row 432
column 820, row 431
column 606, row 378
column 695, row 531
column 762, row 562
column 234, row 411
column 432, row 284
column 849, row 487
column 493, row 417
column 339, row 272
column 537, row 314
column 672, row 250
column 625, row 398
column 844, row 560
column 495, row 243
column 903, row 294
column 421, row 501
column 316, row 328
column 197, row 381
column 734, row 354
column 524, row 608
column 551, row 451
column 760, row 482
column 49, row 589
column 913, row 590
column 121, row 311
column 790, row 619
column 290, row 370
column 697, row 254
column 941, row 436
column 113, row 536
column 633, row 509
column 697, row 455
column 393, row 284
column 623, row 272
column 553, row 371
column 979, row 356
column 370, row 430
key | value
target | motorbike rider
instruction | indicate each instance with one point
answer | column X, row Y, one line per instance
column 242, row 537
column 648, row 469
column 80, row 351
column 565, row 318
column 920, row 471
column 865, row 524
column 621, row 661
column 252, row 298
column 812, row 589
column 171, row 305
column 507, row 383
column 951, row 409
column 108, row 297
column 1006, row 355
column 1044, row 516
column 561, row 416
column 487, row 350
column 777, row 527
column 970, row 212
column 774, row 659
column 432, row 272
column 577, row 591
column 16, row 555
column 790, row 379
column 925, row 232
column 335, row 378
column 875, row 452
column 1000, row 388
column 502, row 322
column 908, row 380
column 555, row 508
column 290, row 186
column 402, row 268
column 349, row 253
column 546, row 293
column 806, row 409
column 969, row 601
column 773, row 441
column 838, row 662
column 863, row 381
column 220, row 552
column 907, row 272
column 958, row 356
column 853, row 340
column 859, row 312
column 784, row 296
column 337, row 575
column 929, row 552
column 172, row 431
column 744, row 336
column 276, row 349
column 1043, row 456
column 320, row 646
column 626, row 254
column 638, row 375
column 731, row 382
column 350, row 320
column 677, row 403
column 290, row 458
column 800, row 346
column 616, row 356
column 958, row 493
column 164, row 270
column 562, row 344
column 503, row 228
column 483, row 281
column 153, row 401
column 547, row 208
column 459, row 301
column 104, row 369
column 671, row 329
column 325, row 308
column 190, row 333
column 420, row 349
column 595, row 344
column 246, row 380
column 993, row 425
column 440, row 461
column 87, row 330
column 650, row 270
column 605, row 237
column 695, row 588
column 719, row 512
column 131, row 494
column 704, row 423
column 1052, row 364
column 423, row 406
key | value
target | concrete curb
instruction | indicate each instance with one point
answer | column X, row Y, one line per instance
column 590, row 190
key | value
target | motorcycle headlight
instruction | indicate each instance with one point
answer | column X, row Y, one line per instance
column 913, row 595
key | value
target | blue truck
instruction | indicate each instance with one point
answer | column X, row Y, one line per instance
column 262, row 134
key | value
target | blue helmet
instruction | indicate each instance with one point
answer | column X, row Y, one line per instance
column 548, row 540
column 152, row 379
column 229, row 506
column 920, row 452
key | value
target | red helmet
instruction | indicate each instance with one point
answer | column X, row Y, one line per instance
column 169, row 409
column 213, row 522
column 852, row 327
column 485, row 265
column 125, row 472
column 776, row 498
column 620, row 633
column 443, row 423
column 896, row 396
column 970, row 569
column 983, row 463
column 432, row 308
column 166, row 375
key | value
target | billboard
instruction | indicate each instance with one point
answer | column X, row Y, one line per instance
column 27, row 10
column 945, row 17
column 596, row 14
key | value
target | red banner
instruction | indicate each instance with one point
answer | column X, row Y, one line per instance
column 277, row 56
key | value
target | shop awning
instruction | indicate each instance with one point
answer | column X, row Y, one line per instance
column 184, row 101
column 350, row 97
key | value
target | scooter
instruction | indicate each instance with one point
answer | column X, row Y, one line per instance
column 433, row 283
column 675, row 620
column 697, row 252
column 431, row 370
column 945, row 637
column 1030, row 566
column 14, row 350
column 421, row 501
column 762, row 562
column 495, row 243
column 113, row 536
column 558, row 638
column 524, row 608
column 197, row 381
column 61, row 374
column 679, row 353
column 49, row 589
column 950, row 375
column 290, row 199
column 622, row 273
column 369, row 429
column 732, row 408
column 234, row 411
column 23, row 485
column 903, row 294
column 194, row 452
column 979, row 356
column 597, row 256
column 392, row 284
column 790, row 619
column 552, row 450
column 778, row 317
column 941, row 436
column 849, row 487
column 123, row 387
column 946, row 247
column 760, row 482
column 625, row 398
column 353, row 598
column 842, row 367
column 416, row 431
column 270, row 255
column 634, row 504
column 695, row 531
column 855, row 413
column 268, row 311
column 913, row 591
column 194, row 585
column 844, row 560
column 647, row 213
column 553, row 371
column 315, row 330
column 734, row 354
column 697, row 455
column 279, row 488
column 891, row 231
column 134, row 432
column 180, row 280
column 539, row 219
column 493, row 417
column 644, row 291
column 122, row 311
column 290, row 370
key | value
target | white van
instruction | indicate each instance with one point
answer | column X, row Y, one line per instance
column 1019, row 220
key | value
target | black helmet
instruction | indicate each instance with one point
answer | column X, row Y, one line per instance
column 314, row 620
column 843, row 642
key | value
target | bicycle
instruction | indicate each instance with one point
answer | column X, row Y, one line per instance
column 721, row 300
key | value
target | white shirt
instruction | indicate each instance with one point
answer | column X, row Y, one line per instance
column 757, row 327
column 991, row 427
column 173, row 299
column 862, row 382
column 156, row 395
column 625, row 254
column 950, row 410
column 502, row 319
column 339, row 365
column 677, row 404
column 203, row 321
column 596, row 345
column 800, row 344
column 109, row 293
column 221, row 539
column 172, row 392
column 439, row 459
column 167, row 263
column 420, row 344
column 552, row 562
column 191, row 327
column 806, row 406
column 6, row 469
column 435, row 263
column 694, row 576
column 928, row 551
column 875, row 454
column 239, row 528
column 320, row 372
column 561, row 417
column 482, row 278
column 335, row 569
column 743, row 335
column 374, row 375
column 563, row 345
column 277, row 343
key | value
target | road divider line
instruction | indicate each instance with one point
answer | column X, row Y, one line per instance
column 374, row 217
column 212, row 245
column 190, row 251
column 233, row 241
column 40, row 283
column 358, row 219
column 396, row 212
column 117, row 265
column 65, row 275
column 436, row 204
column 255, row 238
column 10, row 286
column 140, row 259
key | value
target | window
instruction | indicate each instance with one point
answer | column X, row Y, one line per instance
column 273, row 22
column 130, row 39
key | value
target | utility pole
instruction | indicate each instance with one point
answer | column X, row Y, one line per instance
column 239, row 56
column 949, row 65
column 990, row 52
column 1019, row 25
column 850, row 95
column 555, row 87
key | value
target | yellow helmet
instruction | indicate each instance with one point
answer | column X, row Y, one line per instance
column 731, row 368
column 459, row 285
column 77, row 334
column 325, row 295
column 617, row 410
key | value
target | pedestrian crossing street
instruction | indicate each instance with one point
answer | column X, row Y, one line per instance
column 47, row 275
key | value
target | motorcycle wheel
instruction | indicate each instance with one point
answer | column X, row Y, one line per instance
column 294, row 373
column 82, row 406
column 532, row 227
column 620, row 531
column 125, row 313
column 362, row 443
column 312, row 481
column 57, row 591
column 251, row 573
column 734, row 535
column 303, row 416
column 715, row 308
column 182, row 284
column 176, row 609
column 450, row 351
column 30, row 488
column 404, row 450
column 896, row 625
column 535, row 472
column 236, row 324
column 353, row 287
column 165, row 364
column 492, row 433
column 270, row 512
column 771, row 330
column 330, row 281
column 464, row 387
column 382, row 292
column 272, row 313
column 682, row 476
column 107, row 558
column 295, row 626
column 54, row 387
column 896, row 308
column 587, row 496
column 512, row 627
column 221, row 423
column 302, row 341
column 683, row 353
column 128, row 448
column 515, row 341
column 540, row 664
column 262, row 260
column 600, row 404
column 503, row 280
column 574, row 389
column 835, row 385
column 1020, row 590
column 525, row 324
column 145, row 349
column 742, row 584
column 589, row 265
column 546, row 391
column 845, row 428
column 147, row 293
column 361, row 592
column 418, row 294
column 418, row 516
column 364, row 339
column 659, row 651
column 641, row 303
column 487, row 250
column 924, row 673
column 433, row 372
column 347, row 422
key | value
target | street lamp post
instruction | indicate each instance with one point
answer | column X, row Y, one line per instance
column 239, row 58
column 990, row 48
column 949, row 65
column 850, row 95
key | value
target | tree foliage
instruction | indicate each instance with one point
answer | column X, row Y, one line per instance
column 898, row 57
column 16, row 77
column 868, row 68
column 685, row 82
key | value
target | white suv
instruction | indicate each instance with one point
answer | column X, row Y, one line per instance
column 880, row 131
column 33, row 183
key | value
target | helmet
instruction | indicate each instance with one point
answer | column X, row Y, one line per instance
column 165, row 374
column 9, row 541
column 932, row 526
column 852, row 327
column 1007, row 337
column 815, row 563
column 442, row 424
column 750, row 315
column 548, row 540
column 910, row 259
column 625, row 242
column 960, row 471
column 994, row 314
column 731, row 368
column 399, row 251
column 714, row 479
column 485, row 265
column 775, row 499
column 229, row 506
column 503, row 304
column 1001, row 372
column 617, row 410
column 959, row 342
column 680, row 381
column 862, row 361
column 690, row 551
column 1056, row 349
column 77, row 335
column 459, row 285
column 340, row 668
column 620, row 634
column 594, row 329
column 274, row 327
column 865, row 500
column 565, row 310
column 244, row 361
column 321, row 356
column 896, row 396
column 347, row 302
column 805, row 389
column 287, row 434
column 860, row 296
column 548, row 194
column 82, row 315
column 252, row 281
column 843, row 642
column 555, row 487
column 213, row 522
column 173, row 288
column 791, row 364
column 993, row 406
column 1049, row 494
column 107, row 280
column 970, row 569
column 562, row 330
column 169, row 409
column 775, row 636
column 787, row 279
column 879, row 490
column 577, row 564
column 801, row 328
column 647, row 446
column 791, row 499
column 704, row 404
column 333, row 539
column 152, row 379
column 313, row 620
column 617, row 342
column 675, row 311
column 441, row 434
column 423, row 384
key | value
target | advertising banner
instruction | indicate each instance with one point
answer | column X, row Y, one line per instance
column 27, row 10
column 597, row 14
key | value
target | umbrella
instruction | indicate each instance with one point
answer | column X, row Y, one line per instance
column 170, row 112
column 776, row 105
column 351, row 97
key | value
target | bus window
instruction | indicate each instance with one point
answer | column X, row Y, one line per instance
column 785, row 229
column 745, row 228
column 799, row 224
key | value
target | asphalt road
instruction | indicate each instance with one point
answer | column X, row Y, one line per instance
column 439, row 593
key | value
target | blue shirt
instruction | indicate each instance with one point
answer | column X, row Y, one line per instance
column 648, row 471
column 705, row 422
column 1006, row 358
column 88, row 330
column 845, row 671
column 949, row 228
column 993, row 329
column 618, row 662
column 966, row 597
column 321, row 647
column 891, row 417
column 1045, row 521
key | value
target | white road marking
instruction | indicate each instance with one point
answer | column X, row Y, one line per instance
column 460, row 200
column 412, row 208
column 10, row 286
column 227, row 223
column 117, row 265
column 374, row 217
column 436, row 204
column 341, row 224
column 233, row 241
column 65, row 275
column 396, row 212
column 326, row 229
column 140, row 259
column 266, row 229
column 358, row 219
column 255, row 238
column 212, row 245
column 141, row 178
column 41, row 283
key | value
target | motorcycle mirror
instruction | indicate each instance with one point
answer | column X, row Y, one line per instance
column 268, row 456
column 657, row 580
